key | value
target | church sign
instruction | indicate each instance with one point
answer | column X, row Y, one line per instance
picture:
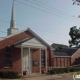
column 35, row 63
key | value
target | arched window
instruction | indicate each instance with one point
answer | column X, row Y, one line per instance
column 8, row 57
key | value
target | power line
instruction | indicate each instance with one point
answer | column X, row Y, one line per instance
column 40, row 33
column 53, row 8
column 52, row 36
column 40, row 9
column 49, row 31
column 50, row 8
column 15, row 39
column 46, row 11
column 35, row 28
column 55, row 41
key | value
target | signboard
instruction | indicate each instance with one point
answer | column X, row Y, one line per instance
column 35, row 63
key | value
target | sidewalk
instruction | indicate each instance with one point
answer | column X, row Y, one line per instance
column 38, row 77
column 44, row 77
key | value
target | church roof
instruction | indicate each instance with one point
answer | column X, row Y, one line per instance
column 65, row 51
column 28, row 29
column 61, row 54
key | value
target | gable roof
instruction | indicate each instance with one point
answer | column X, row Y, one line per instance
column 28, row 29
column 55, row 45
column 39, row 37
column 66, row 51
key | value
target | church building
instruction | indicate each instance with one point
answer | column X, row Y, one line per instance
column 24, row 50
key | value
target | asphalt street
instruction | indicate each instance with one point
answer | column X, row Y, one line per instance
column 67, row 78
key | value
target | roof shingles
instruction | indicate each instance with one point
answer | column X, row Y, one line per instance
column 65, row 51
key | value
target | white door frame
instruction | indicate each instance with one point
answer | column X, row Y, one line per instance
column 22, row 47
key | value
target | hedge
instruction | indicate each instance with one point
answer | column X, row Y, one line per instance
column 9, row 74
column 64, row 70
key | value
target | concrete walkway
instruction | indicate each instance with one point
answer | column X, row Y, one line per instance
column 44, row 77
column 38, row 77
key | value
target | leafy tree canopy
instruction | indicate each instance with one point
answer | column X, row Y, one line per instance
column 74, row 32
column 75, row 36
column 76, row 2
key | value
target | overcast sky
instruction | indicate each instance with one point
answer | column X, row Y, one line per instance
column 50, row 19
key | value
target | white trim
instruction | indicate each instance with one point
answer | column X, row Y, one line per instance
column 38, row 37
column 21, row 60
column 32, row 46
column 34, row 42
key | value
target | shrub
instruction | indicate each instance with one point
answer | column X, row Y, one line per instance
column 57, row 71
column 9, row 74
column 53, row 71
column 64, row 70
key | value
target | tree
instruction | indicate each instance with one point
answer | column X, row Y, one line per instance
column 75, row 36
column 74, row 32
column 76, row 2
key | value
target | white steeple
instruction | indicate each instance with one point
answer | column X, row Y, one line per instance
column 13, row 23
column 12, row 28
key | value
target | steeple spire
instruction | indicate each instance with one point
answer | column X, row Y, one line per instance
column 12, row 29
column 13, row 23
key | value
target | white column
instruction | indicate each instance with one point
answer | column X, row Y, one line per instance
column 46, row 58
column 21, row 60
column 40, row 61
column 29, row 61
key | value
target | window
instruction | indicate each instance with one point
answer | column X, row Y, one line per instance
column 8, row 57
column 43, row 57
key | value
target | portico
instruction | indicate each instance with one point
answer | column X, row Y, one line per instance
column 31, row 55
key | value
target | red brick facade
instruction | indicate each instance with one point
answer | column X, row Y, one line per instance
column 67, row 61
column 62, row 61
column 75, row 59
column 36, row 57
column 16, row 60
column 16, row 53
column 52, row 61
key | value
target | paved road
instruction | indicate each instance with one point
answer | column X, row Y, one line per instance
column 50, row 77
column 66, row 78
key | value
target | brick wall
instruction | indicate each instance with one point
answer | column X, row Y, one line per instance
column 17, row 53
column 61, row 62
column 36, row 57
column 75, row 56
column 16, row 60
column 13, row 39
column 2, row 59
